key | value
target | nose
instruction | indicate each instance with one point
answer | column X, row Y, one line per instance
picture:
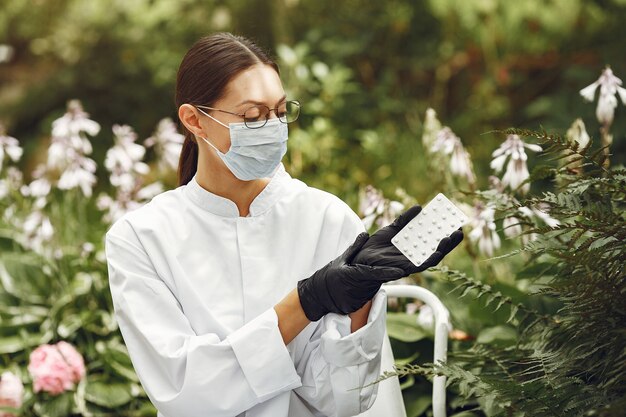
column 272, row 114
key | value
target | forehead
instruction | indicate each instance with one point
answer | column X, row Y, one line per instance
column 258, row 83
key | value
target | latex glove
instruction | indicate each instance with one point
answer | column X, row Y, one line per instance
column 341, row 286
column 379, row 251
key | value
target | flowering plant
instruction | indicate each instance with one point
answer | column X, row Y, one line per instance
column 58, row 331
column 559, row 347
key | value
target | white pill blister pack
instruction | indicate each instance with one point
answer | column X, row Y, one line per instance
column 421, row 236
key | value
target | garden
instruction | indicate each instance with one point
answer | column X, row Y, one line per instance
column 516, row 111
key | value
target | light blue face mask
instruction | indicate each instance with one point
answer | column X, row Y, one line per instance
column 253, row 153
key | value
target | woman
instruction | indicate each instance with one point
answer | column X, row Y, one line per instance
column 234, row 292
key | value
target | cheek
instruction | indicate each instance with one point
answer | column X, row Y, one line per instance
column 220, row 138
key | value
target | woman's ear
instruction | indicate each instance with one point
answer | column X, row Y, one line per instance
column 188, row 115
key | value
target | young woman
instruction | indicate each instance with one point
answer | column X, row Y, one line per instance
column 234, row 292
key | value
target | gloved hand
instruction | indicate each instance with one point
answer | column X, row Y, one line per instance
column 341, row 286
column 379, row 251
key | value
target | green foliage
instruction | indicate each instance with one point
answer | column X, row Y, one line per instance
column 570, row 362
column 44, row 300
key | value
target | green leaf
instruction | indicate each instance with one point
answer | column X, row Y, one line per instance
column 404, row 327
column 409, row 382
column 56, row 406
column 406, row 361
column 107, row 394
column 418, row 406
column 13, row 344
column 69, row 325
column 498, row 335
column 535, row 270
column 82, row 283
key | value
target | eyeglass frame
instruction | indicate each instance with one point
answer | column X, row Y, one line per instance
column 275, row 110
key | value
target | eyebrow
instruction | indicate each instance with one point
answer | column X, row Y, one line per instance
column 260, row 102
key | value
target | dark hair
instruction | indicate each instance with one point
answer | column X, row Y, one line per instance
column 202, row 78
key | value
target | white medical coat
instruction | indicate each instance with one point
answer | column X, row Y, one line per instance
column 193, row 287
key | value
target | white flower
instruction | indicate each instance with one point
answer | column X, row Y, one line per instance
column 37, row 230
column 540, row 211
column 168, row 143
column 69, row 147
column 607, row 102
column 426, row 317
column 12, row 181
column 484, row 229
column 123, row 160
column 512, row 227
column 74, row 122
column 432, row 126
column 516, row 170
column 81, row 173
column 9, row 146
column 69, row 139
column 40, row 186
column 461, row 164
column 448, row 143
column 11, row 392
column 444, row 141
column 375, row 208
column 578, row 134
column 411, row 308
column 149, row 191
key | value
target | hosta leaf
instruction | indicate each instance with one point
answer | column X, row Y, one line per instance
column 500, row 335
column 55, row 406
column 404, row 327
column 108, row 394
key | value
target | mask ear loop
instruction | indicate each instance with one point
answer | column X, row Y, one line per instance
column 208, row 115
column 205, row 139
column 211, row 145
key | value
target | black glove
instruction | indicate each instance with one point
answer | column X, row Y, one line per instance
column 342, row 287
column 379, row 251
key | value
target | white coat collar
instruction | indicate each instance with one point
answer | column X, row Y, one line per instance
column 224, row 207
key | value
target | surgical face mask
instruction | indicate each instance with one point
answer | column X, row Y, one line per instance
column 253, row 153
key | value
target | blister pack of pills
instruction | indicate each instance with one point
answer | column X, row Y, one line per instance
column 419, row 239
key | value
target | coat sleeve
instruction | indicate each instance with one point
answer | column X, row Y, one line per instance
column 185, row 374
column 334, row 363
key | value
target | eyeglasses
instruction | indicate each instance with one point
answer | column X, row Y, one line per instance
column 256, row 116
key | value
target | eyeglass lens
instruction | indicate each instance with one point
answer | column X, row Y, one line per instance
column 287, row 112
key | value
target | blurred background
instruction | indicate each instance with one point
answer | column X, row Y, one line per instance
column 364, row 71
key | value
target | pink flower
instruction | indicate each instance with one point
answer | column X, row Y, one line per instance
column 56, row 368
column 11, row 392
